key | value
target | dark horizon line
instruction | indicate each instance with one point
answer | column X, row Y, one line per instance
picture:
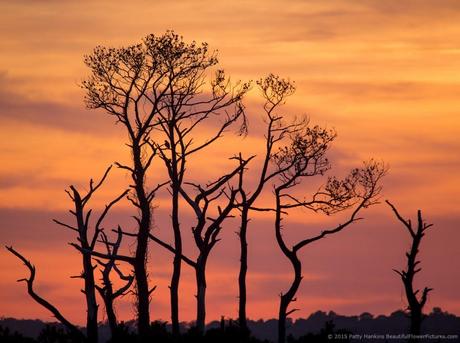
column 434, row 310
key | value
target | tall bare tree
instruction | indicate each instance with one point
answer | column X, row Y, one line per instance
column 212, row 205
column 159, row 84
column 415, row 303
column 87, row 239
column 129, row 84
column 186, row 107
column 274, row 91
column 305, row 156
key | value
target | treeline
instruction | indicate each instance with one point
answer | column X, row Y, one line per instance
column 174, row 101
column 318, row 323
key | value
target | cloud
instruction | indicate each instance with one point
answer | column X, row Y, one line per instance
column 18, row 107
column 372, row 91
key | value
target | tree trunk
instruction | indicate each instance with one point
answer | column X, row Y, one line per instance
column 242, row 320
column 201, row 295
column 143, row 294
column 90, row 293
column 175, row 278
column 177, row 263
column 415, row 324
column 282, row 321
column 111, row 318
column 288, row 297
column 143, row 316
column 414, row 305
column 88, row 271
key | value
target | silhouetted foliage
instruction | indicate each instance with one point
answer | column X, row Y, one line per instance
column 312, row 327
column 6, row 336
column 327, row 334
column 55, row 334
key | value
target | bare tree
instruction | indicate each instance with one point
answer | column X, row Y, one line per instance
column 415, row 303
column 274, row 91
column 86, row 244
column 73, row 330
column 305, row 156
column 186, row 106
column 158, row 84
column 107, row 292
column 129, row 83
column 87, row 236
column 207, row 227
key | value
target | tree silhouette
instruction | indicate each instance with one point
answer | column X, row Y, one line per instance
column 305, row 156
column 207, row 227
column 163, row 94
column 128, row 83
column 87, row 240
column 158, row 85
column 107, row 292
column 415, row 303
column 274, row 91
column 86, row 245
column 186, row 106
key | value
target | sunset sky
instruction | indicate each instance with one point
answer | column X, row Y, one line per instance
column 384, row 74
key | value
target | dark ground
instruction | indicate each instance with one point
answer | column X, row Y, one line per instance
column 318, row 327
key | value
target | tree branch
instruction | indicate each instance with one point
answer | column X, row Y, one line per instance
column 30, row 289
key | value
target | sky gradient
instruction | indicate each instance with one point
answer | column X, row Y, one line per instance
column 385, row 76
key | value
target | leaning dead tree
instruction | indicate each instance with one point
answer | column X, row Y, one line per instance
column 107, row 291
column 274, row 91
column 305, row 156
column 73, row 330
column 415, row 302
column 129, row 84
column 87, row 237
column 192, row 99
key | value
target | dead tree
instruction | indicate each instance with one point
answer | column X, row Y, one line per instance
column 305, row 156
column 415, row 303
column 106, row 291
column 86, row 242
column 207, row 228
column 186, row 106
column 274, row 91
column 129, row 84
column 73, row 330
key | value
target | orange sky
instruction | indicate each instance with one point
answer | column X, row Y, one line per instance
column 385, row 75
